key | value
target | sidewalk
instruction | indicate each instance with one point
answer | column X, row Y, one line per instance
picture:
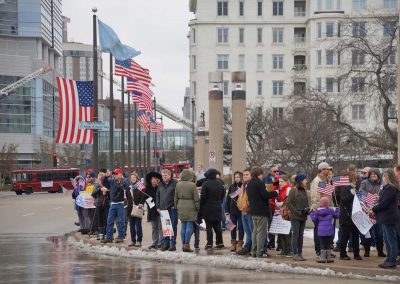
column 368, row 267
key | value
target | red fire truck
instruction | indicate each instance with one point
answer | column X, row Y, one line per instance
column 176, row 168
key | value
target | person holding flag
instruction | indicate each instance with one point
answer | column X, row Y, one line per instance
column 152, row 181
column 102, row 196
column 135, row 200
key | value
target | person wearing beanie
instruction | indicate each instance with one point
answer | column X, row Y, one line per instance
column 323, row 218
column 298, row 204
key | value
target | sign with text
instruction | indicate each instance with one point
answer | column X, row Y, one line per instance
column 166, row 224
column 85, row 200
column 46, row 184
column 360, row 218
column 100, row 125
column 279, row 225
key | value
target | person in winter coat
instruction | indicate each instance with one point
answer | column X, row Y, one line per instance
column 372, row 185
column 234, row 213
column 259, row 210
column 211, row 197
column 78, row 187
column 284, row 189
column 187, row 202
column 152, row 182
column 387, row 215
column 89, row 213
column 345, row 197
column 323, row 218
column 102, row 197
column 165, row 201
column 298, row 204
column 135, row 197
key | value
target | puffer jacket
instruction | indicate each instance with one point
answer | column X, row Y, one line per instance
column 187, row 200
column 322, row 218
column 212, row 195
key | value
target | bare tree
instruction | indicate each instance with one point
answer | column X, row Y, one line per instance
column 8, row 161
column 70, row 155
column 43, row 154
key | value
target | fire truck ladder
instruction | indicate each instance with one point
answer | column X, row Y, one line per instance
column 187, row 124
column 8, row 89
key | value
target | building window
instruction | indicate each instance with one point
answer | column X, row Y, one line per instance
column 358, row 5
column 277, row 8
column 389, row 29
column 357, row 57
column 392, row 113
column 241, row 8
column 222, row 35
column 319, row 84
column 329, row 85
column 222, row 8
column 359, row 29
column 390, row 4
column 241, row 35
column 225, row 88
column 194, row 35
column 357, row 85
column 194, row 88
column 241, row 62
column 329, row 5
column 390, row 54
column 194, row 62
column 222, row 61
column 358, row 112
column 299, row 8
column 259, row 62
column 319, row 30
column 319, row 5
column 277, row 62
column 277, row 88
column 338, row 5
column 329, row 57
column 259, row 87
column 259, row 35
column 259, row 8
column 319, row 57
column 329, row 29
column 277, row 35
column 277, row 113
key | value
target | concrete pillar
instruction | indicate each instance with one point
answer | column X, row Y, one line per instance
column 238, row 121
column 215, row 128
column 200, row 151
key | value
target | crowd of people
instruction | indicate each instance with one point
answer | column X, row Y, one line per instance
column 246, row 206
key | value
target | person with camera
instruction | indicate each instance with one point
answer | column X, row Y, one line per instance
column 298, row 204
column 117, row 186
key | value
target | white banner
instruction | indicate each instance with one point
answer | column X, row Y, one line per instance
column 360, row 218
column 166, row 224
column 46, row 183
column 279, row 225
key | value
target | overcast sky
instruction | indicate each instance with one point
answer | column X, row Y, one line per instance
column 158, row 28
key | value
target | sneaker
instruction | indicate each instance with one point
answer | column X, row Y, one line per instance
column 77, row 224
column 118, row 241
column 297, row 257
column 302, row 258
column 243, row 251
column 164, row 247
column 387, row 265
column 346, row 257
column 208, row 247
column 138, row 244
column 173, row 248
column 132, row 244
column 107, row 241
column 289, row 255
column 220, row 246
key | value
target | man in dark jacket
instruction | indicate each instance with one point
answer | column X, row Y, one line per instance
column 165, row 201
column 212, row 195
column 118, row 184
column 102, row 196
column 259, row 210
column 152, row 182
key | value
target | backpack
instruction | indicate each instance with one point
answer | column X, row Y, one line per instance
column 285, row 211
column 243, row 202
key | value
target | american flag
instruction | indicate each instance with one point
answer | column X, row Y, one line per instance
column 140, row 185
column 341, row 181
column 236, row 192
column 144, row 102
column 76, row 105
column 370, row 199
column 143, row 120
column 129, row 68
column 136, row 86
column 156, row 127
column 325, row 188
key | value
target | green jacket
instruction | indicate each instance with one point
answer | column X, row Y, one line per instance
column 187, row 200
column 297, row 201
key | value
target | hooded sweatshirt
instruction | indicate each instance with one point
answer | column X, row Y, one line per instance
column 322, row 218
column 373, row 187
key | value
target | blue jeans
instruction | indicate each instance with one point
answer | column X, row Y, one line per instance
column 135, row 225
column 248, row 230
column 171, row 241
column 237, row 220
column 186, row 231
column 223, row 220
column 196, row 230
column 117, row 212
column 389, row 236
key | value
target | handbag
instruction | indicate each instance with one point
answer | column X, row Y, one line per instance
column 137, row 211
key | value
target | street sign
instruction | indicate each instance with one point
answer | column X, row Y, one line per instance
column 211, row 156
column 100, row 125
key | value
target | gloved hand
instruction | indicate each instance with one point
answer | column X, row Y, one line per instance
column 305, row 211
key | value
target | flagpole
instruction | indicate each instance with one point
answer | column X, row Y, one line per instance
column 123, row 123
column 155, row 137
column 129, row 135
column 148, row 152
column 135, row 157
column 144, row 154
column 111, row 141
column 139, row 139
column 95, row 148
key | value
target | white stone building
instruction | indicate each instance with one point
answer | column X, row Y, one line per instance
column 283, row 45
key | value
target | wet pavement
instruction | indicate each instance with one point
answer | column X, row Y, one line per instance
column 33, row 249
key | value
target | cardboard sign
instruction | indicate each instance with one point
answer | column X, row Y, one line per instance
column 279, row 225
column 166, row 224
column 150, row 202
column 360, row 218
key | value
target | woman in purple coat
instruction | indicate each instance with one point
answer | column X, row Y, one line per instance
column 323, row 218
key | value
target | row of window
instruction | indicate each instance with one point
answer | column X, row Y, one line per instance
column 300, row 6
column 357, row 57
column 357, row 84
column 359, row 29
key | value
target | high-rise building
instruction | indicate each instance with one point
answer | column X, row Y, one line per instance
column 30, row 38
column 284, row 47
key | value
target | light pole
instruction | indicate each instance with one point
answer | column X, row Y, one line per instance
column 95, row 149
column 193, row 119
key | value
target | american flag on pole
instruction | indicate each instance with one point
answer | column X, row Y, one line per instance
column 76, row 105
column 129, row 68
column 370, row 199
column 341, row 181
column 325, row 188
column 140, row 185
column 143, row 120
column 156, row 127
column 144, row 102
column 136, row 86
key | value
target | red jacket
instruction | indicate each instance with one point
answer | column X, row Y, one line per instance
column 283, row 193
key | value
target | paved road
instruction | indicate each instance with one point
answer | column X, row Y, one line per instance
column 32, row 250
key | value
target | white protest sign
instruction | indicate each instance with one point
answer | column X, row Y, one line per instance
column 360, row 218
column 46, row 184
column 85, row 200
column 279, row 225
column 150, row 202
column 166, row 224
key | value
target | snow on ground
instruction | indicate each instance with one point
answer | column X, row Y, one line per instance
column 236, row 262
